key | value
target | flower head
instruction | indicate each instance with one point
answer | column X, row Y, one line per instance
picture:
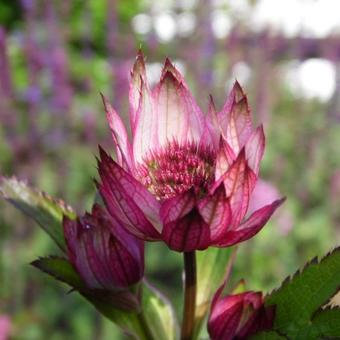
column 238, row 316
column 103, row 253
column 185, row 178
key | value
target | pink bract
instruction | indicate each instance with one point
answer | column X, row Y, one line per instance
column 186, row 177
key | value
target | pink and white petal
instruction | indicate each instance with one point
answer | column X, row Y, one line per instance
column 212, row 129
column 263, row 194
column 119, row 136
column 255, row 149
column 188, row 233
column 138, row 76
column 251, row 226
column 239, row 182
column 215, row 211
column 130, row 199
column 145, row 136
column 179, row 118
column 224, row 159
column 235, row 119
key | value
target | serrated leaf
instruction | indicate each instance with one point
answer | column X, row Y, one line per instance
column 211, row 271
column 302, row 295
column 325, row 324
column 269, row 335
column 45, row 210
column 159, row 314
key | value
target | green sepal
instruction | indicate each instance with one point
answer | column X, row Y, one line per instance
column 139, row 310
column 212, row 267
column 46, row 211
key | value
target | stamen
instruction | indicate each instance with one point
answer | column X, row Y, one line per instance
column 176, row 168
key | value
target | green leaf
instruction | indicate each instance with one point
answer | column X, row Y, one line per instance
column 61, row 269
column 269, row 335
column 159, row 314
column 302, row 295
column 325, row 324
column 212, row 267
column 150, row 318
column 45, row 210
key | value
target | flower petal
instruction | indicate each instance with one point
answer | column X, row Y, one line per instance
column 183, row 227
column 239, row 181
column 119, row 136
column 235, row 119
column 138, row 76
column 224, row 159
column 251, row 226
column 215, row 211
column 211, row 134
column 128, row 200
column 255, row 149
column 145, row 137
column 179, row 117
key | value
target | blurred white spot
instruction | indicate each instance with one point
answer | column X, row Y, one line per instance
column 241, row 71
column 180, row 66
column 312, row 18
column 141, row 23
column 165, row 26
column 185, row 24
column 186, row 4
column 312, row 78
column 153, row 72
column 220, row 24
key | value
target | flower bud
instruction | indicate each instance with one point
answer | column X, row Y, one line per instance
column 103, row 253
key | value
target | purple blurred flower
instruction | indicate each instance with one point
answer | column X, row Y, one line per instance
column 104, row 254
column 187, row 177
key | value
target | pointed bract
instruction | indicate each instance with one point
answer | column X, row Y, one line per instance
column 119, row 136
column 138, row 76
column 128, row 200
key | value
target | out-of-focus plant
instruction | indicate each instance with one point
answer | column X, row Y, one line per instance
column 186, row 179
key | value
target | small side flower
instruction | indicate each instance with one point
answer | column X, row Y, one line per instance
column 103, row 253
column 238, row 316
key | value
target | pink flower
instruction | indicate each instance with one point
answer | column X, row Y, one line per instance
column 5, row 327
column 238, row 316
column 103, row 253
column 185, row 178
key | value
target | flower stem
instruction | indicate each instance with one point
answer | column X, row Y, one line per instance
column 189, row 296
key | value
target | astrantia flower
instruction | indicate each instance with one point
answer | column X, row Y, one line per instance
column 185, row 178
column 238, row 316
column 104, row 254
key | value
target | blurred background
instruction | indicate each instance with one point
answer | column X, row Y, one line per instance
column 55, row 58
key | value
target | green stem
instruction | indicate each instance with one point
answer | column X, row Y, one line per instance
column 188, row 321
column 145, row 327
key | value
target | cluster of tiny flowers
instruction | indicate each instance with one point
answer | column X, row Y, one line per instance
column 176, row 168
